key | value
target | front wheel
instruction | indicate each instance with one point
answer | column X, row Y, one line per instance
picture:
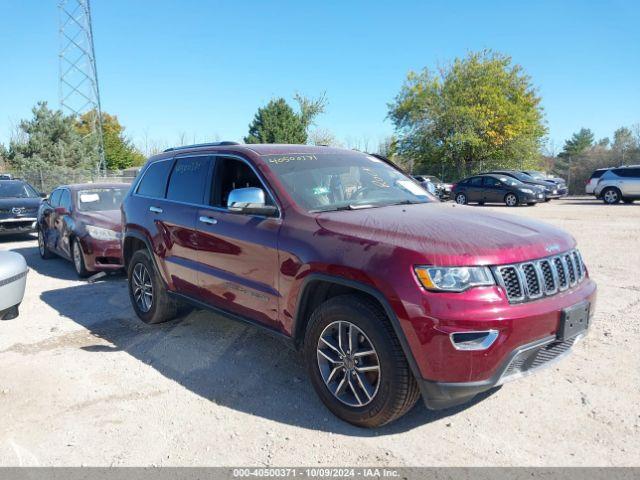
column 356, row 363
column 511, row 200
column 461, row 199
column 147, row 292
column 78, row 260
column 44, row 251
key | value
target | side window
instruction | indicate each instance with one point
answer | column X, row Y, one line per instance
column 491, row 182
column 188, row 179
column 65, row 199
column 475, row 181
column 154, row 181
column 628, row 172
column 54, row 199
column 231, row 174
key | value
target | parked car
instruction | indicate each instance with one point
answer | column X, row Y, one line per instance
column 442, row 189
column 561, row 183
column 388, row 294
column 593, row 180
column 82, row 223
column 19, row 204
column 622, row 183
column 550, row 189
column 488, row 188
column 426, row 184
column 13, row 278
column 6, row 176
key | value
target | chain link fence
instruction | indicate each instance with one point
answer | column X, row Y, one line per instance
column 45, row 180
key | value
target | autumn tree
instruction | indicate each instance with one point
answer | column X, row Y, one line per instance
column 478, row 112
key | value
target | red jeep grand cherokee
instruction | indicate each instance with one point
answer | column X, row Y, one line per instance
column 389, row 293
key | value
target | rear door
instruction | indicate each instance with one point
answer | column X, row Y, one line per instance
column 629, row 181
column 47, row 218
column 62, row 224
column 475, row 190
column 239, row 252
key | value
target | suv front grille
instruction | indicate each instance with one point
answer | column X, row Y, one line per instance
column 531, row 280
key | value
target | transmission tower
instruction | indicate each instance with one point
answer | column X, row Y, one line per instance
column 78, row 77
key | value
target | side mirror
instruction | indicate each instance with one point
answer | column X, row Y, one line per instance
column 250, row 201
column 61, row 211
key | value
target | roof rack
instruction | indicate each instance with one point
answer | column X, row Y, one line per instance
column 197, row 145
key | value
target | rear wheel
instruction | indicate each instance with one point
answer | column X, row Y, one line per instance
column 511, row 200
column 611, row 196
column 356, row 363
column 461, row 199
column 147, row 292
column 45, row 253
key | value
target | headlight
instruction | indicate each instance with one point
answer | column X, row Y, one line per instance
column 555, row 191
column 526, row 190
column 454, row 279
column 102, row 233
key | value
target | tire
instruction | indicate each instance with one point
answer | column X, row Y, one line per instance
column 391, row 389
column 611, row 196
column 511, row 200
column 77, row 255
column 44, row 251
column 461, row 199
column 531, row 204
column 157, row 306
column 480, row 203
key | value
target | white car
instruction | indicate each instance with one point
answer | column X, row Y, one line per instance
column 622, row 183
column 13, row 280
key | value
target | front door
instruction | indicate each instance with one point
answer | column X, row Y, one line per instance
column 238, row 252
column 494, row 190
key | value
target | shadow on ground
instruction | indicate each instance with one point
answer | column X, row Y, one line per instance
column 228, row 363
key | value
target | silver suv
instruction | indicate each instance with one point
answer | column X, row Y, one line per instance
column 622, row 183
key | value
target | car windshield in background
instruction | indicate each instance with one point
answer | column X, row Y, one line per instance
column 9, row 189
column 537, row 176
column 325, row 182
column 512, row 182
column 100, row 199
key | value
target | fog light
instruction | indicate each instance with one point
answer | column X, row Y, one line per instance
column 473, row 340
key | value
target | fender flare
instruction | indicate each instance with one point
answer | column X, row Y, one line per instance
column 297, row 327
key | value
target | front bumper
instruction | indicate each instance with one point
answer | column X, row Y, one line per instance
column 102, row 255
column 448, row 375
column 17, row 225
column 522, row 361
column 530, row 197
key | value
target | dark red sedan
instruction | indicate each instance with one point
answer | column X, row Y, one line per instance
column 82, row 223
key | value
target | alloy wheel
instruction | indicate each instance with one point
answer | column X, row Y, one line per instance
column 142, row 288
column 348, row 363
column 461, row 199
column 611, row 196
column 511, row 200
column 77, row 257
column 41, row 242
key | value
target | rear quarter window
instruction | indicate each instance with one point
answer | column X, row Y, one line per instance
column 154, row 179
column 597, row 173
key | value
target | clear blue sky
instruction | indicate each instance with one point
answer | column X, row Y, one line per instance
column 204, row 67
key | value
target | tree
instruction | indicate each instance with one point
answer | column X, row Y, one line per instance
column 119, row 151
column 578, row 144
column 481, row 111
column 278, row 123
column 49, row 139
column 624, row 142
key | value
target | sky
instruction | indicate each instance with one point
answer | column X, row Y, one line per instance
column 198, row 70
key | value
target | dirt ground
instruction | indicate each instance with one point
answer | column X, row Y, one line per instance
column 83, row 382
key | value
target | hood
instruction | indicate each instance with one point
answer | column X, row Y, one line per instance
column 9, row 203
column 449, row 234
column 111, row 219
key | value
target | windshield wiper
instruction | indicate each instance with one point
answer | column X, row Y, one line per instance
column 350, row 206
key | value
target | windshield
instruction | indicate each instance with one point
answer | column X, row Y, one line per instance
column 17, row 190
column 101, row 199
column 334, row 181
column 512, row 182
column 537, row 175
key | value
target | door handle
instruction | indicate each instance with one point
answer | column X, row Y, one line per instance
column 155, row 209
column 208, row 220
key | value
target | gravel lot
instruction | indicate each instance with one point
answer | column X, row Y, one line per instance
column 83, row 382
